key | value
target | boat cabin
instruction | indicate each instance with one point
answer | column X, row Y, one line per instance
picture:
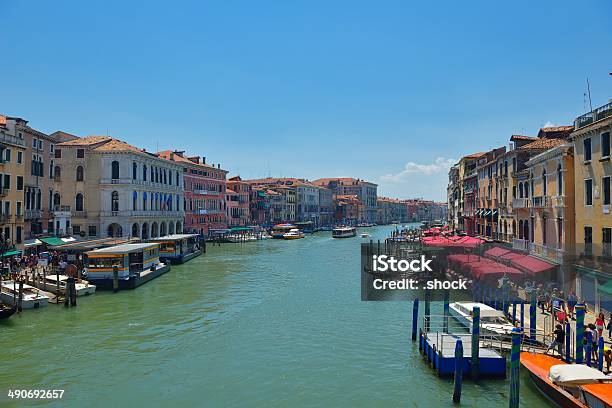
column 130, row 259
column 178, row 248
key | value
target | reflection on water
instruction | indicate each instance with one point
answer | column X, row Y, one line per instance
column 270, row 322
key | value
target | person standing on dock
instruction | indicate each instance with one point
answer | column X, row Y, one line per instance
column 558, row 341
column 572, row 300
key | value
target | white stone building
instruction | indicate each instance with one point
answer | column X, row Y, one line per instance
column 115, row 189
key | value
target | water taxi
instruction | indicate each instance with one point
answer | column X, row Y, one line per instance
column 492, row 321
column 365, row 235
column 136, row 264
column 279, row 230
column 32, row 298
column 50, row 284
column 344, row 232
column 293, row 234
column 568, row 385
column 178, row 248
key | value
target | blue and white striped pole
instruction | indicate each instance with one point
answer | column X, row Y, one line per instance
column 458, row 370
column 446, row 310
column 522, row 316
column 532, row 319
column 515, row 358
column 589, row 341
column 514, row 312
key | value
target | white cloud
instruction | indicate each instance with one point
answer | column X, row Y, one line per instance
column 549, row 124
column 439, row 165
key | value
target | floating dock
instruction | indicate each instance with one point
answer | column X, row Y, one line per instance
column 439, row 349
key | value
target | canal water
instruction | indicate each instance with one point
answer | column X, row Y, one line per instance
column 268, row 323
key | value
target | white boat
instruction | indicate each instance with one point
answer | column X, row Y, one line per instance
column 344, row 232
column 492, row 321
column 32, row 297
column 294, row 233
column 83, row 288
column 365, row 235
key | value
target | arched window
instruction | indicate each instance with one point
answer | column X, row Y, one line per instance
column 115, row 170
column 79, row 173
column 520, row 190
column 134, row 200
column 134, row 171
column 526, row 190
column 559, row 180
column 79, row 202
column 520, row 229
column 177, row 179
column 544, row 182
column 56, row 200
column 170, row 177
column 165, row 179
column 178, row 203
column 144, row 200
column 144, row 172
column 57, row 171
column 152, row 175
column 115, row 201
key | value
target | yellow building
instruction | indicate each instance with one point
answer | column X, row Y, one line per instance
column 552, row 212
column 12, row 159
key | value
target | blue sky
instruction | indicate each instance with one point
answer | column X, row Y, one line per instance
column 389, row 91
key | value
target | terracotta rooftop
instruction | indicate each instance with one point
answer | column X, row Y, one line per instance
column 522, row 137
column 86, row 141
column 474, row 155
column 174, row 156
column 555, row 132
column 230, row 191
column 542, row 144
column 344, row 180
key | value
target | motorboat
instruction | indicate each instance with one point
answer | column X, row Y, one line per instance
column 344, row 232
column 568, row 385
column 279, row 230
column 32, row 298
column 365, row 235
column 7, row 311
column 50, row 284
column 293, row 234
column 492, row 321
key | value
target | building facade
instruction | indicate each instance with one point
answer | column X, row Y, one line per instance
column 106, row 187
column 204, row 193
column 239, row 192
column 12, row 173
column 347, row 186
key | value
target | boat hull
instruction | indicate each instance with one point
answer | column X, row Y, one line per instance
column 179, row 259
column 133, row 282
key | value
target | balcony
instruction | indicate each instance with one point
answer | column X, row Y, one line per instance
column 61, row 211
column 33, row 214
column 79, row 214
column 140, row 213
column 10, row 139
column 206, row 192
column 545, row 251
column 140, row 183
column 520, row 203
column 558, row 201
column 4, row 218
column 520, row 244
column 598, row 114
column 541, row 201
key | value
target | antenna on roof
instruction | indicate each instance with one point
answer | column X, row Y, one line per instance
column 589, row 91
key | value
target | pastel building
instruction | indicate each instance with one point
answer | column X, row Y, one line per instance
column 347, row 186
column 106, row 187
column 238, row 202
column 205, row 192
column 12, row 172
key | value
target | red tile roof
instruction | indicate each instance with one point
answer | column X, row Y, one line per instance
column 542, row 144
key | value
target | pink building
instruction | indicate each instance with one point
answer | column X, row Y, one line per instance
column 238, row 202
column 205, row 186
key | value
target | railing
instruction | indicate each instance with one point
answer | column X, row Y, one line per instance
column 33, row 214
column 520, row 244
column 79, row 214
column 520, row 203
column 598, row 114
column 139, row 213
column 4, row 217
column 206, row 192
column 6, row 138
column 3, row 192
column 558, row 201
column 545, row 251
column 140, row 182
column 541, row 201
column 61, row 208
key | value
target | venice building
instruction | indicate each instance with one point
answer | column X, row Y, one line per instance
column 104, row 187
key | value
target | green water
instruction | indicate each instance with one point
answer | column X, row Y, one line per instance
column 269, row 323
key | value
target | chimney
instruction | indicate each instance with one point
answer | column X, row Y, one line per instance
column 218, row 166
column 179, row 152
column 194, row 159
column 203, row 159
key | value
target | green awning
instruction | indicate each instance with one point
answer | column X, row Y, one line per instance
column 239, row 229
column 11, row 253
column 52, row 241
column 606, row 287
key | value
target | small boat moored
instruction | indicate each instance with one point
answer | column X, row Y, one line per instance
column 50, row 284
column 279, row 230
column 344, row 232
column 568, row 385
column 136, row 264
column 492, row 321
column 32, row 298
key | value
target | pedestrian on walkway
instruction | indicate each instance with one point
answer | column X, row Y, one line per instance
column 557, row 342
column 600, row 323
column 609, row 327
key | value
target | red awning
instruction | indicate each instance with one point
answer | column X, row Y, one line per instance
column 531, row 264
column 496, row 252
column 452, row 241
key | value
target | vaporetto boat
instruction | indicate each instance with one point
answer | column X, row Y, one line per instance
column 492, row 321
column 344, row 232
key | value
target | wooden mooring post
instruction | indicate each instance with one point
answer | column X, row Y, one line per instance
column 415, row 318
column 532, row 319
column 600, row 353
column 427, row 308
column 475, row 369
column 579, row 333
column 587, row 349
column 115, row 278
column 515, row 364
column 446, row 310
column 458, row 371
